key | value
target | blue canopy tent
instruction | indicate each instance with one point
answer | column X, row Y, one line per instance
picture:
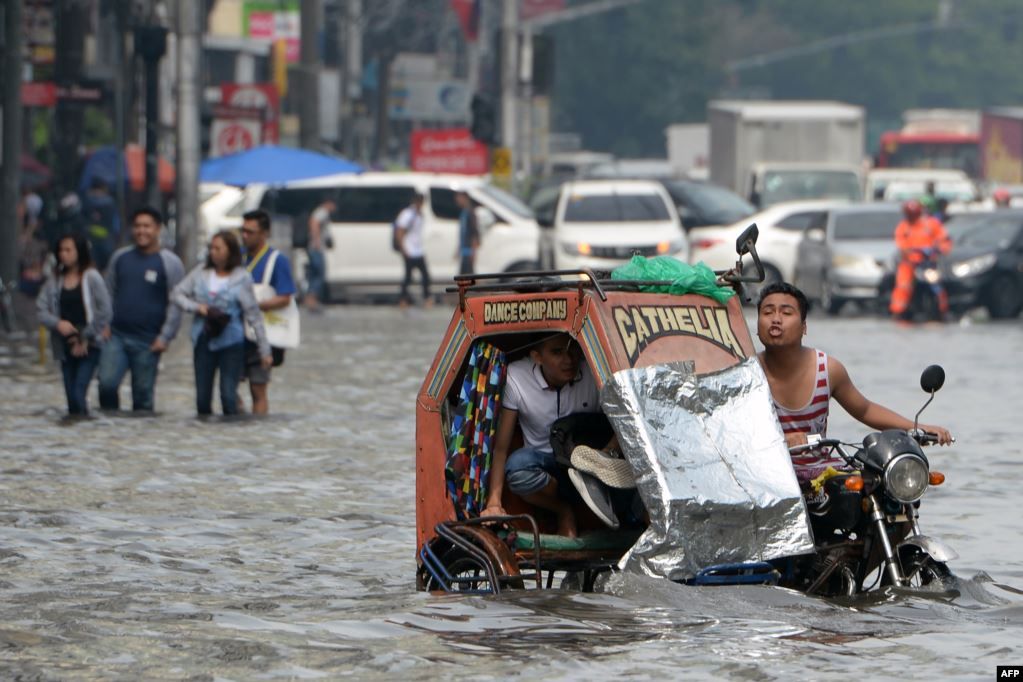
column 273, row 165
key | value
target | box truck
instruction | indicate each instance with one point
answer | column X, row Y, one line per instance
column 771, row 151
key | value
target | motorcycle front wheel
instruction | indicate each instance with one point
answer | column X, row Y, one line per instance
column 920, row 569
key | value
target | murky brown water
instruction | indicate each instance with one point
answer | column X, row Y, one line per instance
column 169, row 548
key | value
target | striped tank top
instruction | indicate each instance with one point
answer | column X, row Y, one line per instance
column 811, row 418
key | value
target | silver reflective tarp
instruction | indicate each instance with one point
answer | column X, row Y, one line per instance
column 711, row 467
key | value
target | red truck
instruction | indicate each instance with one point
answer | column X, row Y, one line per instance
column 1001, row 145
column 934, row 138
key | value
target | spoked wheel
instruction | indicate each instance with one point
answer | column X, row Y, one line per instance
column 468, row 573
column 468, row 559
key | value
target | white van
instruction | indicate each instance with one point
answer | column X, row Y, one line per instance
column 600, row 224
column 361, row 259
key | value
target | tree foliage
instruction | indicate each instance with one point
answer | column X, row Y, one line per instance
column 624, row 75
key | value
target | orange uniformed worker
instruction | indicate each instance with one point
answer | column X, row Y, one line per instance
column 919, row 238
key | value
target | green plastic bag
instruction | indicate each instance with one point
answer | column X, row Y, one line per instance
column 683, row 278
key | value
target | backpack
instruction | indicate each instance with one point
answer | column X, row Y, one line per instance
column 396, row 236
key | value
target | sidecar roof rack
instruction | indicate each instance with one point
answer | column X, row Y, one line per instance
column 541, row 281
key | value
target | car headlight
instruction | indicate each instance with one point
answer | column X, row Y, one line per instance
column 906, row 478
column 974, row 266
column 846, row 260
column 671, row 246
column 576, row 248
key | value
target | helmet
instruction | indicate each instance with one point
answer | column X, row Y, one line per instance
column 912, row 209
column 1001, row 196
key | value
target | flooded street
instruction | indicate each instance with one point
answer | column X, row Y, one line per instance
column 284, row 548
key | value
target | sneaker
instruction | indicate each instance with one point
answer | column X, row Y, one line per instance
column 612, row 471
column 595, row 495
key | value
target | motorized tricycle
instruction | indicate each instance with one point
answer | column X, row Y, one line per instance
column 689, row 403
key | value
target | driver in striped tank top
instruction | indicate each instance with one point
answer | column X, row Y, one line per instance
column 803, row 380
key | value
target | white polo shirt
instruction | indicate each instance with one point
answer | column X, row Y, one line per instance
column 540, row 405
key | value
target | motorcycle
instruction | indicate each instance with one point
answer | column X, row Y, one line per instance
column 924, row 304
column 866, row 521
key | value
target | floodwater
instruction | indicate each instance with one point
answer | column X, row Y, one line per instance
column 170, row 548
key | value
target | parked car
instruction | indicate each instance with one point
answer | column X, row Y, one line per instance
column 879, row 178
column 600, row 224
column 362, row 260
column 698, row 203
column 846, row 260
column 781, row 229
column 955, row 191
column 985, row 267
column 773, row 183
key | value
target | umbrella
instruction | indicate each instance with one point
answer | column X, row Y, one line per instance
column 273, row 165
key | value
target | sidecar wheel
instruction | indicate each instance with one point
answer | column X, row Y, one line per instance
column 482, row 564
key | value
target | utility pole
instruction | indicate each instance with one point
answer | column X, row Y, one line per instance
column 351, row 72
column 509, row 82
column 11, row 141
column 309, row 70
column 189, row 49
column 525, row 151
column 151, row 44
column 70, row 25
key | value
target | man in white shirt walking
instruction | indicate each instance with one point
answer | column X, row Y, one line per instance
column 410, row 237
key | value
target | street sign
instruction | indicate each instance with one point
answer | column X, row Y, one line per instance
column 229, row 136
column 447, row 151
column 501, row 165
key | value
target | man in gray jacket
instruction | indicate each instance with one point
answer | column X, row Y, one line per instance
column 140, row 279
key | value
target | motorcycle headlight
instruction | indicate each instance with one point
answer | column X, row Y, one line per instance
column 906, row 478
column 932, row 275
column 974, row 266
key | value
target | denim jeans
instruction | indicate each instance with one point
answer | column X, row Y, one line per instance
column 121, row 353
column 529, row 470
column 316, row 274
column 78, row 373
column 230, row 362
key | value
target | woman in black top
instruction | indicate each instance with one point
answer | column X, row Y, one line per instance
column 75, row 307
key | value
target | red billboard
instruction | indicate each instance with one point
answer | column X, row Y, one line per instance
column 447, row 151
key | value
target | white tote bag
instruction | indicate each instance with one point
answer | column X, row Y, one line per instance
column 282, row 324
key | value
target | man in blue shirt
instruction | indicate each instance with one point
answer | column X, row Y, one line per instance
column 468, row 233
column 140, row 279
column 258, row 254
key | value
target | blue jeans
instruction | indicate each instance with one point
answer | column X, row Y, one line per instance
column 529, row 470
column 230, row 362
column 78, row 373
column 121, row 353
column 316, row 274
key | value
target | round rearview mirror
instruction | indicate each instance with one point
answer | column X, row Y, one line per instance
column 932, row 378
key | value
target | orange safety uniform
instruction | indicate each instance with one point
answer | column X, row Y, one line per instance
column 913, row 239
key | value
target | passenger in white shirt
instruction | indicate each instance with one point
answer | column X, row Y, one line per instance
column 550, row 383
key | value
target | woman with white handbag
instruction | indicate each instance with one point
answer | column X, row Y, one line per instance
column 275, row 291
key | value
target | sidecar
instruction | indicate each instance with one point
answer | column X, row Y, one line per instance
column 624, row 330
